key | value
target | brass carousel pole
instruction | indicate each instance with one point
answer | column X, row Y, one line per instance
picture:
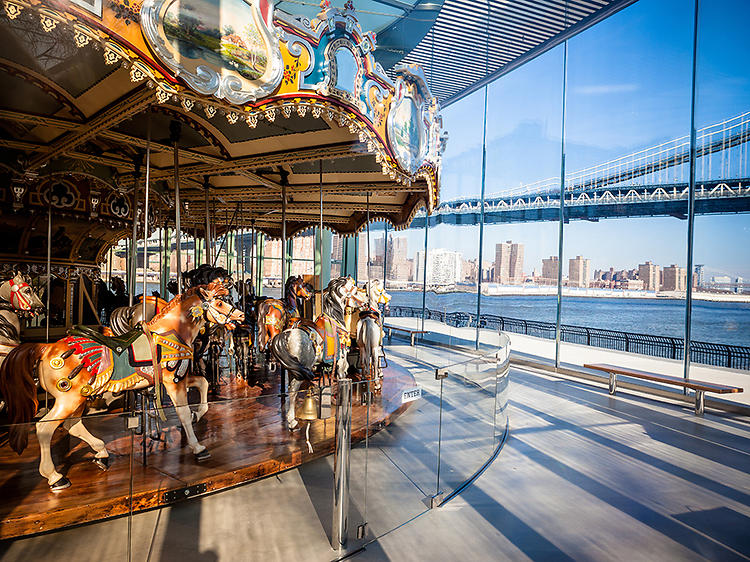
column 283, row 233
column 207, row 233
column 132, row 259
column 145, row 215
column 175, row 128
column 320, row 235
column 368, row 240
column 49, row 281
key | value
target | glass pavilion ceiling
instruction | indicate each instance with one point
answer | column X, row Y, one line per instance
column 508, row 32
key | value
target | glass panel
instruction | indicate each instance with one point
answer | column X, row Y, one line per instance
column 272, row 268
column 720, row 329
column 377, row 253
column 337, row 255
column 524, row 143
column 627, row 141
column 30, row 507
column 474, row 415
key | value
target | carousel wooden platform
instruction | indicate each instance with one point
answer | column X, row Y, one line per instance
column 243, row 430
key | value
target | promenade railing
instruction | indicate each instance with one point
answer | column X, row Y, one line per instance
column 706, row 353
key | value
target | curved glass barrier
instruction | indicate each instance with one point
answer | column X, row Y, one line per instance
column 354, row 460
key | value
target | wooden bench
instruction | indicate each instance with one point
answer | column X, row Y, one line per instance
column 700, row 387
column 409, row 331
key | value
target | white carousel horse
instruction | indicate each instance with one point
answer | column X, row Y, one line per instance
column 85, row 364
column 307, row 349
column 370, row 332
column 17, row 299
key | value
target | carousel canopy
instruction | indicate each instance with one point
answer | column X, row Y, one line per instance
column 253, row 104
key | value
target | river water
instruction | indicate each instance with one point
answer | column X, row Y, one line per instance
column 715, row 322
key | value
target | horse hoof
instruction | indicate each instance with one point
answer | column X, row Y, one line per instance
column 204, row 455
column 60, row 484
column 293, row 425
column 102, row 463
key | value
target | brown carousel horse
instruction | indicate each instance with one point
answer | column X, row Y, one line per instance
column 276, row 315
column 87, row 364
column 309, row 349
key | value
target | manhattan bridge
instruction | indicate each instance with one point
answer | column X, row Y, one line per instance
column 650, row 182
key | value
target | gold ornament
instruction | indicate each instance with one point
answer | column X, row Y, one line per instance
column 63, row 385
column 57, row 362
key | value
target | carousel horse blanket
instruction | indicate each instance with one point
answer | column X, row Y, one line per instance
column 117, row 364
column 328, row 335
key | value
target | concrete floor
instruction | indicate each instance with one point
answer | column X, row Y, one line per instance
column 583, row 476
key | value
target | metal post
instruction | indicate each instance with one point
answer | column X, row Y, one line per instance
column 49, row 282
column 385, row 253
column 145, row 216
column 320, row 233
column 283, row 232
column 691, row 203
column 252, row 255
column 341, row 465
column 175, row 128
column 424, row 268
column 132, row 258
column 206, row 189
column 561, row 218
column 368, row 244
column 481, row 215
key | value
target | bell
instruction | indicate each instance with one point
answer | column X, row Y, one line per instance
column 309, row 409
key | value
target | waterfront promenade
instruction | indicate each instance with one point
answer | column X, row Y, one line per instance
column 573, row 356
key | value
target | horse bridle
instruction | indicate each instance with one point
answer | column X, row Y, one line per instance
column 22, row 303
column 205, row 305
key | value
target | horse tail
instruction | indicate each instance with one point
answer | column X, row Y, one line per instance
column 18, row 387
column 290, row 363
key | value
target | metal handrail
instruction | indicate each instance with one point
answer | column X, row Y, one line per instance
column 705, row 353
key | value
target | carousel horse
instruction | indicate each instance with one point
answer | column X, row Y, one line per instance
column 86, row 364
column 370, row 332
column 309, row 350
column 125, row 319
column 276, row 315
column 17, row 299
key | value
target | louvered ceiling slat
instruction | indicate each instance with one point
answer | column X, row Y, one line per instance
column 517, row 31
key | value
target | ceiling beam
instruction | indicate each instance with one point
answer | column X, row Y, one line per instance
column 239, row 165
column 104, row 120
column 104, row 160
column 122, row 138
column 243, row 193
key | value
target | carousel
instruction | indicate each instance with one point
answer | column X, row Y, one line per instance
column 200, row 122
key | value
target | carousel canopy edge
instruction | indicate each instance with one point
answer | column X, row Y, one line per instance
column 245, row 61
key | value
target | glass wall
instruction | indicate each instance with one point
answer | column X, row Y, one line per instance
column 524, row 131
column 627, row 133
column 720, row 312
column 610, row 112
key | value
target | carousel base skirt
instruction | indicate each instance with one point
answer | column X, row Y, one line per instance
column 244, row 430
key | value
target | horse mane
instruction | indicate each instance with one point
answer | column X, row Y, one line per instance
column 289, row 297
column 175, row 302
column 331, row 307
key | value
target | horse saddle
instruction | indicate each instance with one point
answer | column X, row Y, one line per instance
column 114, row 364
column 328, row 336
column 370, row 313
column 117, row 343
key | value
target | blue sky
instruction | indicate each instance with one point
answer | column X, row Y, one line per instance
column 629, row 87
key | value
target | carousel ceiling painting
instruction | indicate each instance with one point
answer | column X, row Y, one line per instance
column 237, row 103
